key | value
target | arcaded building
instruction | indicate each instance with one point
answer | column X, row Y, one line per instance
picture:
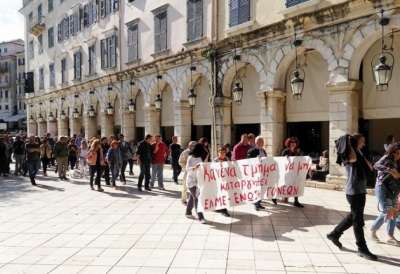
column 216, row 68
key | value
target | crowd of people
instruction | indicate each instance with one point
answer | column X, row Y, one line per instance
column 107, row 159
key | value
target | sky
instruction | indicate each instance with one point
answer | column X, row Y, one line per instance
column 11, row 21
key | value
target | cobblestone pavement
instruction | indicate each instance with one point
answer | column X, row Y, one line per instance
column 64, row 227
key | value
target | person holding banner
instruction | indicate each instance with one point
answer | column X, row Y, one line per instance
column 292, row 145
column 222, row 158
column 240, row 150
column 193, row 163
column 356, row 188
column 257, row 151
column 182, row 162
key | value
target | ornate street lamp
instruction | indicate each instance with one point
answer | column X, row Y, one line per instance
column 51, row 117
column 31, row 118
column 158, row 100
column 131, row 104
column 91, row 111
column 237, row 89
column 109, row 109
column 63, row 115
column 298, row 75
column 76, row 113
column 382, row 64
column 40, row 118
column 192, row 94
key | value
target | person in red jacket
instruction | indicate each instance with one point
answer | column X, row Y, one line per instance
column 240, row 150
column 160, row 154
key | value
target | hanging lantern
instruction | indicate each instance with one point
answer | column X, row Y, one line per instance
column 382, row 64
column 51, row 117
column 237, row 92
column 192, row 97
column 76, row 114
column 91, row 112
column 109, row 109
column 158, row 102
column 383, row 71
column 63, row 116
column 297, row 83
column 40, row 118
column 31, row 118
column 131, row 106
column 110, row 87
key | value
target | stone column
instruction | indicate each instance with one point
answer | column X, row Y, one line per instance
column 75, row 125
column 223, row 122
column 107, row 125
column 128, row 125
column 90, row 127
column 183, row 122
column 343, row 119
column 52, row 128
column 62, row 127
column 152, row 120
column 272, row 117
column 32, row 128
column 42, row 129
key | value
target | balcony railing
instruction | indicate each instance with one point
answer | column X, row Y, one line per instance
column 291, row 3
column 38, row 26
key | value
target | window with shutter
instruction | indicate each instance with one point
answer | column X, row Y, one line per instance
column 94, row 11
column 71, row 25
column 64, row 71
column 77, row 65
column 60, row 31
column 133, row 43
column 116, row 5
column 86, row 15
column 113, row 51
column 194, row 19
column 239, row 12
column 103, row 52
column 160, row 31
column 76, row 22
column 52, row 75
column 50, row 37
column 66, row 28
column 92, row 59
column 102, row 8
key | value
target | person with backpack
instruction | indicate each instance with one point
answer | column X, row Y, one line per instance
column 114, row 161
column 95, row 160
column 356, row 189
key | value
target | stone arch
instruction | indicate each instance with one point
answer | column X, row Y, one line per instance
column 227, row 72
column 167, row 79
column 285, row 55
column 363, row 38
column 202, row 72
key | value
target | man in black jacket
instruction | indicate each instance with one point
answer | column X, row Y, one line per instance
column 144, row 154
column 257, row 151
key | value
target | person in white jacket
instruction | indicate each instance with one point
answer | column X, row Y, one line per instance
column 182, row 162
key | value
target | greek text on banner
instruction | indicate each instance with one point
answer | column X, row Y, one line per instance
column 227, row 184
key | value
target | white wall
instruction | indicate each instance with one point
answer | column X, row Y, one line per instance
column 314, row 104
column 202, row 110
column 167, row 111
column 381, row 104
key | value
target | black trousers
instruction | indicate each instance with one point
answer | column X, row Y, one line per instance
column 123, row 168
column 95, row 170
column 130, row 162
column 106, row 174
column 144, row 173
column 355, row 218
column 45, row 163
column 176, row 169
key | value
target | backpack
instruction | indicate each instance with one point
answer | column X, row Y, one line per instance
column 91, row 158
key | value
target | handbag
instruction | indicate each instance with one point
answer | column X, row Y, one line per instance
column 91, row 158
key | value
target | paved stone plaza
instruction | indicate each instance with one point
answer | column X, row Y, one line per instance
column 64, row 227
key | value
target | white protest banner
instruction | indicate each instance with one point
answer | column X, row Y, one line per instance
column 227, row 184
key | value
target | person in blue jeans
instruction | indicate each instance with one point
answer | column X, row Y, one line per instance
column 114, row 160
column 387, row 168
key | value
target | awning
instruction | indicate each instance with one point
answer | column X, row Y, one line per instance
column 13, row 118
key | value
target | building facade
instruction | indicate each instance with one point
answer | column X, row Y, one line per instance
column 12, row 98
column 109, row 66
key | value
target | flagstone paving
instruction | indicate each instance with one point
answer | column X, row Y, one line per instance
column 64, row 227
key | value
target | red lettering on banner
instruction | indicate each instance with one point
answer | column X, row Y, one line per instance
column 209, row 174
column 213, row 203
